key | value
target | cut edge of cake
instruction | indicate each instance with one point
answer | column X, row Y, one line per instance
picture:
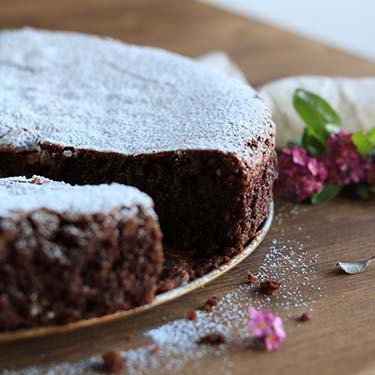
column 62, row 262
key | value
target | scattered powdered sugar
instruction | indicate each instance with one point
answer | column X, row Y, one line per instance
column 289, row 261
column 88, row 366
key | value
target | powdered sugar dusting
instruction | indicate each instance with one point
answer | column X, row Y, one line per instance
column 18, row 194
column 290, row 261
column 86, row 92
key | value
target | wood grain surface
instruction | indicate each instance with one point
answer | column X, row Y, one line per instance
column 340, row 338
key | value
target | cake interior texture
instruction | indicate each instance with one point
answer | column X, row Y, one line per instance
column 207, row 201
column 94, row 254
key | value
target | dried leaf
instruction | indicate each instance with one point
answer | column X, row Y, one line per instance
column 355, row 267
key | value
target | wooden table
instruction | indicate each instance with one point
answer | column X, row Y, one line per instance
column 340, row 338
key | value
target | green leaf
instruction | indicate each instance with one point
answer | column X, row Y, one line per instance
column 371, row 136
column 326, row 194
column 316, row 113
column 362, row 142
column 311, row 143
column 363, row 191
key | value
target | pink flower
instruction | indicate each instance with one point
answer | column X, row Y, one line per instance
column 266, row 328
column 343, row 162
column 299, row 156
column 299, row 174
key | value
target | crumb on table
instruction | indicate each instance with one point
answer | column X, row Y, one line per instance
column 251, row 278
column 211, row 302
column 212, row 339
column 192, row 315
column 304, row 317
column 269, row 287
column 113, row 362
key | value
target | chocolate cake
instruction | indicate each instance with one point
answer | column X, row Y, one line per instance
column 72, row 252
column 89, row 110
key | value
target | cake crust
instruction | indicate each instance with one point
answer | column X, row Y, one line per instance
column 107, row 96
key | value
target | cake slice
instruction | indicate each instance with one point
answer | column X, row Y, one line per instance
column 89, row 110
column 73, row 252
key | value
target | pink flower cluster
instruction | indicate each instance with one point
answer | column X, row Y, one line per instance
column 344, row 164
column 299, row 174
column 266, row 328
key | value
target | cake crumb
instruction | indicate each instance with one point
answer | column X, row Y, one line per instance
column 227, row 259
column 269, row 287
column 212, row 339
column 210, row 303
column 304, row 317
column 165, row 285
column 251, row 278
column 154, row 349
column 36, row 180
column 192, row 315
column 113, row 362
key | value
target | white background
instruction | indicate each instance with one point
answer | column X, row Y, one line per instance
column 345, row 24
